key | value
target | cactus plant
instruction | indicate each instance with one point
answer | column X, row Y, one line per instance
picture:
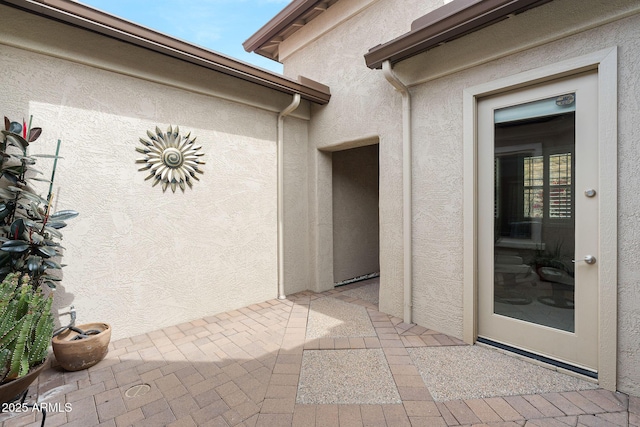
column 26, row 326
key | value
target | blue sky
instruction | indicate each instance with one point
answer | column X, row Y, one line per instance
column 219, row 25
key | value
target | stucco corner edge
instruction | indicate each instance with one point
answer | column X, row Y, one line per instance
column 470, row 291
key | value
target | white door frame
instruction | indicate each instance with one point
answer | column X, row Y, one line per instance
column 606, row 64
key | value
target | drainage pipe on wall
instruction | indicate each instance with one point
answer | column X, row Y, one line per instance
column 407, row 197
column 280, row 143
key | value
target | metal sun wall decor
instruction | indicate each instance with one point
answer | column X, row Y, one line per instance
column 171, row 158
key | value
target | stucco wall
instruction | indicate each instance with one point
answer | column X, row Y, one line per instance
column 355, row 212
column 296, row 207
column 438, row 135
column 364, row 103
column 139, row 258
column 363, row 107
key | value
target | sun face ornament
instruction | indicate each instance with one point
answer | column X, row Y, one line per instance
column 172, row 159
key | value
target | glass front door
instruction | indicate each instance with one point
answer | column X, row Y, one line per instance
column 538, row 220
column 533, row 219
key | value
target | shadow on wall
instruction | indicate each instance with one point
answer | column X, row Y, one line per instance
column 133, row 246
column 62, row 300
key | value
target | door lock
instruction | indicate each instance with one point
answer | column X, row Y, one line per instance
column 589, row 259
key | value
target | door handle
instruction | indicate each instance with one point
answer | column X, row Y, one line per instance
column 589, row 259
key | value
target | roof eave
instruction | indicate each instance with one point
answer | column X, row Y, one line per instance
column 266, row 41
column 85, row 17
column 283, row 19
column 453, row 20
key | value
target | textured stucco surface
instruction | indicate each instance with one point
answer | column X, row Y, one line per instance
column 57, row 40
column 355, row 212
column 364, row 104
column 141, row 259
column 363, row 107
column 138, row 258
column 438, row 133
column 296, row 207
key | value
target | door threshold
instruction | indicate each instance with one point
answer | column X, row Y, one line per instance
column 593, row 375
column 357, row 279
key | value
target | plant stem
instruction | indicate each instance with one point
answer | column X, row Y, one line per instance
column 3, row 153
column 17, row 198
column 46, row 214
column 53, row 172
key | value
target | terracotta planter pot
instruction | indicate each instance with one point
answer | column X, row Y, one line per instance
column 14, row 388
column 82, row 354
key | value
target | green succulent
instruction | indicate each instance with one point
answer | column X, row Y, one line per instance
column 26, row 326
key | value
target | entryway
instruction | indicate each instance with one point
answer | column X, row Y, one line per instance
column 538, row 221
column 356, row 235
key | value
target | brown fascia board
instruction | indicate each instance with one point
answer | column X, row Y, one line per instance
column 85, row 17
column 290, row 14
column 448, row 22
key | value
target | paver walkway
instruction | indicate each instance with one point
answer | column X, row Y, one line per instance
column 243, row 368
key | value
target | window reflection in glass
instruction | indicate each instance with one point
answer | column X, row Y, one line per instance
column 533, row 217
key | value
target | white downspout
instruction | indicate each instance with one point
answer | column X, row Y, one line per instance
column 407, row 196
column 280, row 143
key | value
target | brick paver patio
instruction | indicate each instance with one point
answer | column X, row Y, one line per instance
column 243, row 367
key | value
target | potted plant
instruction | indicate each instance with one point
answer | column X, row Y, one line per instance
column 81, row 347
column 29, row 231
column 29, row 241
column 26, row 327
column 29, row 248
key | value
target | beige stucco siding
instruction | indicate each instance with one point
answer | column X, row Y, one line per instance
column 363, row 106
column 297, row 267
column 139, row 258
column 434, row 135
column 364, row 103
column 628, row 208
column 437, row 208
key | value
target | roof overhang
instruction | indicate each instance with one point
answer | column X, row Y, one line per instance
column 294, row 16
column 448, row 22
column 79, row 15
